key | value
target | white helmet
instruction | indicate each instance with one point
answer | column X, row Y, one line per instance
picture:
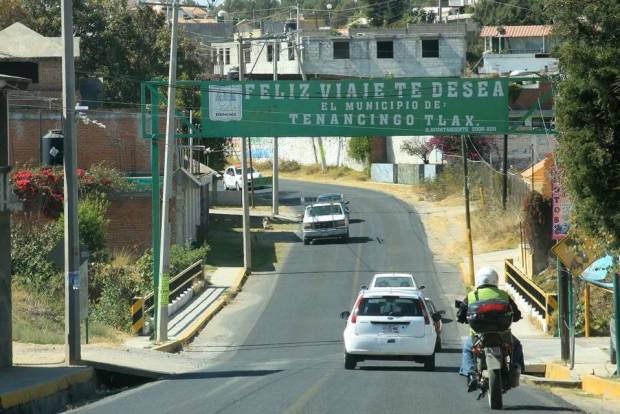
column 486, row 276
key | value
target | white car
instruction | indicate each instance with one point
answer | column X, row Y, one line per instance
column 394, row 280
column 325, row 221
column 233, row 178
column 389, row 325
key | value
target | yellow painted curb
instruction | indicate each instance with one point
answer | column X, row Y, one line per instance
column 39, row 391
column 558, row 372
column 209, row 313
column 601, row 386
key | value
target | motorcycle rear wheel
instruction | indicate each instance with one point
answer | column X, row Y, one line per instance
column 495, row 389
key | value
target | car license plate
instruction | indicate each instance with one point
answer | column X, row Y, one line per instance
column 391, row 329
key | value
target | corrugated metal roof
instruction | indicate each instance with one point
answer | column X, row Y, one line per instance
column 517, row 31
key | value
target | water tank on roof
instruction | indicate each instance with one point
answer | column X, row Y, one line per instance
column 222, row 16
column 52, row 148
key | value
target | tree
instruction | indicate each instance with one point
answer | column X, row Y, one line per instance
column 11, row 12
column 385, row 13
column 360, row 149
column 482, row 147
column 510, row 12
column 123, row 47
column 588, row 114
column 419, row 149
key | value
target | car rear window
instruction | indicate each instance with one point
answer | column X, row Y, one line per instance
column 324, row 210
column 329, row 197
column 393, row 281
column 390, row 306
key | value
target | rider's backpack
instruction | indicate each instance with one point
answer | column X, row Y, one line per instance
column 489, row 316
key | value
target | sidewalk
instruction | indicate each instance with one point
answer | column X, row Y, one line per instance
column 39, row 382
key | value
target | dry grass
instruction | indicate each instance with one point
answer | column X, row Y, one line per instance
column 314, row 173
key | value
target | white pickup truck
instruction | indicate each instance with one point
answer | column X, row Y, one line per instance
column 325, row 221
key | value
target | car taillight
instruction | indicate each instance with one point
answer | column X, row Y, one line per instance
column 307, row 225
column 493, row 307
column 427, row 320
column 355, row 309
column 339, row 223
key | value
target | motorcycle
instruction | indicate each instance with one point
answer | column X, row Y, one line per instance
column 495, row 373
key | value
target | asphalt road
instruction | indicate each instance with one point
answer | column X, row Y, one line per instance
column 278, row 347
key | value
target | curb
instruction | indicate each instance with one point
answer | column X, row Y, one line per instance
column 533, row 380
column 601, row 386
column 559, row 372
column 40, row 391
column 210, row 312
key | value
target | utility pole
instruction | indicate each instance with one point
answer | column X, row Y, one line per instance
column 563, row 313
column 247, row 241
column 191, row 142
column 164, row 258
column 470, row 249
column 274, row 180
column 6, row 307
column 72, row 239
column 298, row 47
column 617, row 316
column 505, row 173
column 251, row 171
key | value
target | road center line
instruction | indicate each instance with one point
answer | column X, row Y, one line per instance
column 298, row 405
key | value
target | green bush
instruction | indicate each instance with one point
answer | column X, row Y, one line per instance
column 289, row 166
column 93, row 221
column 111, row 289
column 31, row 266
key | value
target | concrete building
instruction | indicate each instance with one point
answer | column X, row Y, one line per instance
column 424, row 50
column 515, row 49
column 27, row 54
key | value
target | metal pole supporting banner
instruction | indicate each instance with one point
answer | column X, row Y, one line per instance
column 274, row 181
column 571, row 318
column 164, row 259
column 72, row 240
column 247, row 242
column 470, row 249
column 247, row 248
column 505, row 173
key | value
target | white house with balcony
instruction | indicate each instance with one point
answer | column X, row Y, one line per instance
column 425, row 50
column 514, row 49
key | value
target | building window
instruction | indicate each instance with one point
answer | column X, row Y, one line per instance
column 28, row 70
column 247, row 55
column 220, row 56
column 385, row 49
column 270, row 54
column 291, row 51
column 227, row 56
column 430, row 48
column 341, row 50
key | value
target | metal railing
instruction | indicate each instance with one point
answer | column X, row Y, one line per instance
column 545, row 303
column 178, row 284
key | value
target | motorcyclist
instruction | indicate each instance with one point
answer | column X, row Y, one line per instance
column 486, row 289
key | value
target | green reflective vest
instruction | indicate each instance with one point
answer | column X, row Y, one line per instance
column 486, row 293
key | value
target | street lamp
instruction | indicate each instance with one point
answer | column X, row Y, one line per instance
column 329, row 14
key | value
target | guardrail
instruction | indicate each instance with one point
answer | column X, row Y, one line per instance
column 545, row 303
column 178, row 285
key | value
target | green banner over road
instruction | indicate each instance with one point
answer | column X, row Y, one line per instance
column 424, row 106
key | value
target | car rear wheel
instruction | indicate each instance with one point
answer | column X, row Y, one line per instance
column 438, row 344
column 429, row 363
column 306, row 241
column 349, row 361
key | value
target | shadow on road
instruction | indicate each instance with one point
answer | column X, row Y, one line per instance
column 224, row 374
column 408, row 368
column 539, row 408
column 254, row 347
column 356, row 221
column 352, row 240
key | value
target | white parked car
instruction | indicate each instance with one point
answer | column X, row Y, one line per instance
column 233, row 178
column 394, row 280
column 389, row 325
column 325, row 221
